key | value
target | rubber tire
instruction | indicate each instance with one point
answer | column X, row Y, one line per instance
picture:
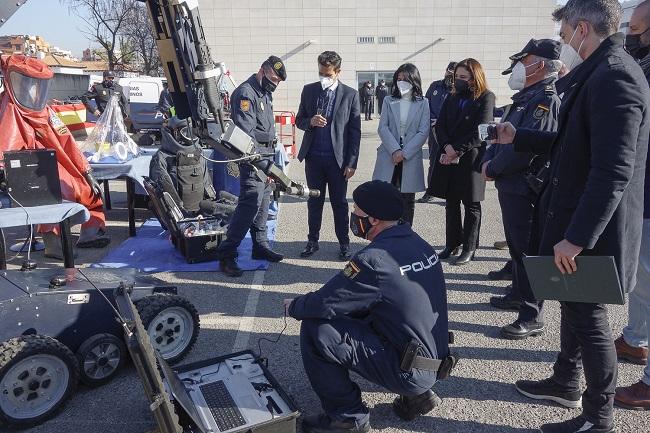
column 91, row 342
column 150, row 306
column 19, row 348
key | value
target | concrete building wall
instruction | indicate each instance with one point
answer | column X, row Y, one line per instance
column 428, row 33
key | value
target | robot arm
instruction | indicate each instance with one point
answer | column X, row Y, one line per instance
column 192, row 77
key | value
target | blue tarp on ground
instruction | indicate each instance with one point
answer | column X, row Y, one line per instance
column 152, row 251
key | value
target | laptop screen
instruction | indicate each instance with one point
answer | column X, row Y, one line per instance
column 180, row 393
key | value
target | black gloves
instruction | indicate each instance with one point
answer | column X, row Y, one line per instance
column 93, row 184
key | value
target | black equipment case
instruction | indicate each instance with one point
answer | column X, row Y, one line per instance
column 32, row 176
column 195, row 246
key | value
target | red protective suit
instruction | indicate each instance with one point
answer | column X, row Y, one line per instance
column 25, row 126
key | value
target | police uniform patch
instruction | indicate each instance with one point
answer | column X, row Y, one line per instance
column 540, row 111
column 245, row 105
column 351, row 270
column 277, row 66
column 103, row 92
column 435, row 92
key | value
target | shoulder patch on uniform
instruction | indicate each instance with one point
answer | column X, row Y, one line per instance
column 540, row 111
column 351, row 270
column 277, row 66
column 245, row 105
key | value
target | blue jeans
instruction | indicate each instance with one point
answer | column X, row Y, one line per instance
column 637, row 331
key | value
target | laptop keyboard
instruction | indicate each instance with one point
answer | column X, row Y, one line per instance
column 221, row 404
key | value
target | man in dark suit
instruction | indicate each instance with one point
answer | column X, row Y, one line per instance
column 592, row 203
column 329, row 114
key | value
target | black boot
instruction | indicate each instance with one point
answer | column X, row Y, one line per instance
column 465, row 257
column 448, row 252
column 265, row 253
column 410, row 407
column 310, row 249
column 229, row 267
column 324, row 424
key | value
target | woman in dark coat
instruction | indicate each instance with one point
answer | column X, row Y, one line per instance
column 457, row 175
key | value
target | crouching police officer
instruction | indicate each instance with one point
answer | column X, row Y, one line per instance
column 384, row 316
column 252, row 111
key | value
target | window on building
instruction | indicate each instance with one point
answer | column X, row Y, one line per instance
column 386, row 39
column 365, row 40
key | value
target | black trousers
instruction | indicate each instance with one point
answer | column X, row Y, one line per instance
column 251, row 213
column 463, row 233
column 586, row 339
column 409, row 207
column 323, row 172
column 380, row 102
column 368, row 108
column 517, row 214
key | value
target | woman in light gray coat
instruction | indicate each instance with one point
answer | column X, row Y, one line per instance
column 403, row 130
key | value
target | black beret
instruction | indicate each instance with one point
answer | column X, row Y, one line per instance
column 379, row 200
column 546, row 48
column 277, row 65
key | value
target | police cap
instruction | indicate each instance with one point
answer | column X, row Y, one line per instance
column 546, row 48
column 379, row 200
column 110, row 74
column 277, row 65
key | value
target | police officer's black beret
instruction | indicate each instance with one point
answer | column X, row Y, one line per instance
column 108, row 74
column 278, row 66
column 546, row 48
column 380, row 200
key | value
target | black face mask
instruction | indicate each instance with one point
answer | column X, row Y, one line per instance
column 462, row 86
column 108, row 83
column 360, row 226
column 268, row 85
column 634, row 47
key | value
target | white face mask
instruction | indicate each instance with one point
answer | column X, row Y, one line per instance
column 517, row 80
column 569, row 56
column 404, row 86
column 326, row 82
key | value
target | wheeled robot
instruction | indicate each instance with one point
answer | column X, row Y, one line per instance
column 60, row 327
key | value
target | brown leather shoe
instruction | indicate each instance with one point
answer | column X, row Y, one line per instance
column 636, row 355
column 635, row 396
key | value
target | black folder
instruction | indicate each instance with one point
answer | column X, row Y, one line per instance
column 596, row 280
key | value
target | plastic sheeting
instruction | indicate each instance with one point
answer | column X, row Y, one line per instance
column 109, row 141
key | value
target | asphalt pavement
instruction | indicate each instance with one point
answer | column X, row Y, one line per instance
column 236, row 313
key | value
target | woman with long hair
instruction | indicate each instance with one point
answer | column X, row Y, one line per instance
column 403, row 130
column 457, row 175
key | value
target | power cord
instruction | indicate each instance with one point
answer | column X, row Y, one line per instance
column 277, row 339
column 31, row 231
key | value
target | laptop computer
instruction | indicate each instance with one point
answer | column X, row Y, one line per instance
column 596, row 280
column 32, row 177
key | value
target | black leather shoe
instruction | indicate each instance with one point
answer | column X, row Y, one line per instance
column 448, row 252
column 426, row 198
column 311, row 248
column 549, row 389
column 502, row 274
column 521, row 330
column 323, row 424
column 344, row 253
column 264, row 253
column 229, row 267
column 464, row 258
column 575, row 425
column 505, row 303
column 410, row 407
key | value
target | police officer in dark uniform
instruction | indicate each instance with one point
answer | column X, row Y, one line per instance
column 518, row 175
column 388, row 303
column 252, row 111
column 436, row 95
column 102, row 93
column 380, row 93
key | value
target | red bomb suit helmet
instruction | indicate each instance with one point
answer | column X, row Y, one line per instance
column 28, row 81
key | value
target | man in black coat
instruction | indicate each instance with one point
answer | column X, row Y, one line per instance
column 535, row 106
column 329, row 115
column 436, row 95
column 593, row 201
column 102, row 93
column 380, row 93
